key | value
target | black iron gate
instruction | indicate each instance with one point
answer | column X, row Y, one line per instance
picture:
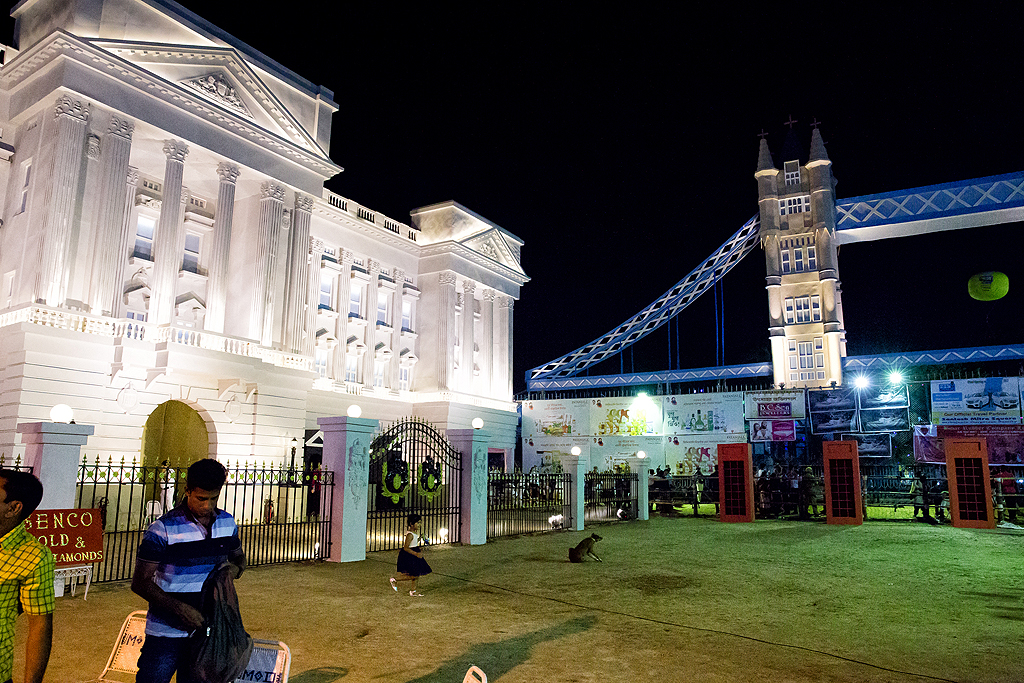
column 413, row 468
column 283, row 515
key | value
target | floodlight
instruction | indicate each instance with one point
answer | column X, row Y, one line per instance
column 861, row 381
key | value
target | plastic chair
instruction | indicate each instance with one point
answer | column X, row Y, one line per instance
column 154, row 511
column 475, row 675
column 271, row 660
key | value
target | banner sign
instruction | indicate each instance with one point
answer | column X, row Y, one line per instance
column 624, row 416
column 685, row 453
column 1005, row 442
column 720, row 413
column 608, row 451
column 774, row 405
column 871, row 445
column 73, row 536
column 992, row 400
column 556, row 418
column 833, row 410
column 772, row 430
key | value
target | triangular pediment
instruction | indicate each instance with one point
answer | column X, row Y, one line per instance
column 218, row 76
column 496, row 246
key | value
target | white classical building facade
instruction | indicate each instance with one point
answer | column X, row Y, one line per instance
column 166, row 236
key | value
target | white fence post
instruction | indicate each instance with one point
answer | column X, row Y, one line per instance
column 347, row 453
column 472, row 443
column 54, row 451
column 576, row 467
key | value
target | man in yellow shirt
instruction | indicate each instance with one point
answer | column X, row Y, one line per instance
column 26, row 577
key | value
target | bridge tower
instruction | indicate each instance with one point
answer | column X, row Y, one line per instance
column 798, row 229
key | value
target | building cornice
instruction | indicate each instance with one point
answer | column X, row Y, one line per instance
column 61, row 44
column 475, row 257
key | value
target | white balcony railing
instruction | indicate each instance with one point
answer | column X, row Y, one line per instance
column 370, row 216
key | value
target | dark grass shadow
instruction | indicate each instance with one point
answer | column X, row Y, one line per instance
column 1003, row 605
column 498, row 658
column 321, row 674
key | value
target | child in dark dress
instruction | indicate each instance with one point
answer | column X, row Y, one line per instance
column 411, row 565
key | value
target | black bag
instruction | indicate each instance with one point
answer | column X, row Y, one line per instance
column 221, row 648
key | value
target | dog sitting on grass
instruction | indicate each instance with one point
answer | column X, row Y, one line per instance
column 584, row 548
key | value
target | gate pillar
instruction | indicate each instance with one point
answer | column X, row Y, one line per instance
column 472, row 443
column 347, row 452
column 54, row 451
column 638, row 466
column 576, row 467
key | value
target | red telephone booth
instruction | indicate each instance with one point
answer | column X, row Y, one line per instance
column 735, row 483
column 970, row 487
column 844, row 503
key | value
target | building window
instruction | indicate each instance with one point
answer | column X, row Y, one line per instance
column 816, row 308
column 792, row 173
column 404, row 375
column 798, row 258
column 806, row 361
column 407, row 315
column 794, row 205
column 786, row 268
column 144, row 238
column 326, row 288
column 803, row 309
column 190, row 262
column 136, row 315
column 379, row 367
column 812, row 260
column 320, row 360
column 382, row 308
column 26, row 174
column 789, row 311
column 351, row 368
column 355, row 297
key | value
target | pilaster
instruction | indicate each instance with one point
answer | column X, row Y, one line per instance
column 71, row 118
column 110, row 247
column 372, row 291
column 503, row 348
column 396, row 329
column 169, row 234
column 466, row 363
column 220, row 248
column 261, row 315
column 54, row 450
column 344, row 294
column 296, row 285
column 486, row 381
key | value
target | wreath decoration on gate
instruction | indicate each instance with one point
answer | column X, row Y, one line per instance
column 430, row 478
column 395, row 475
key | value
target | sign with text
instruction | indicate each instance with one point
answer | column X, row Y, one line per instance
column 624, row 416
column 992, row 400
column 718, row 412
column 772, row 430
column 73, row 536
column 556, row 418
column 774, row 405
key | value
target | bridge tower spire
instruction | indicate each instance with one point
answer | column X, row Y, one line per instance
column 798, row 224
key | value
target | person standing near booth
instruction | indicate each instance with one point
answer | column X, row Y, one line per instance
column 26, row 577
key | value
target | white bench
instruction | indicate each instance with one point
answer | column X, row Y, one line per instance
column 62, row 575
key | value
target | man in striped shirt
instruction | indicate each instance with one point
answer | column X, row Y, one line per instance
column 26, row 577
column 177, row 553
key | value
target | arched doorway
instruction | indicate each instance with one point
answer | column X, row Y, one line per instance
column 175, row 436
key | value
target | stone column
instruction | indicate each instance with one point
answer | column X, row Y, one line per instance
column 314, row 258
column 341, row 327
column 445, row 353
column 166, row 253
column 296, row 282
column 485, row 386
column 638, row 466
column 576, row 467
column 503, row 349
column 106, row 286
column 467, row 337
column 472, row 443
column 261, row 314
column 220, row 248
column 396, row 329
column 61, row 197
column 53, row 451
column 126, row 239
column 347, row 453
column 372, row 292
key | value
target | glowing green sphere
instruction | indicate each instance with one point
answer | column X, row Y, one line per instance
column 988, row 286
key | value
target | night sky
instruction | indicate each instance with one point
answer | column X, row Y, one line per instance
column 621, row 148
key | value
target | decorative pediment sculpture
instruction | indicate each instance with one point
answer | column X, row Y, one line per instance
column 214, row 86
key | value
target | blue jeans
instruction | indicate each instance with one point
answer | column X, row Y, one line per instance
column 160, row 658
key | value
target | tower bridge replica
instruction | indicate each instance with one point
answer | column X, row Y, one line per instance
column 809, row 403
column 800, row 225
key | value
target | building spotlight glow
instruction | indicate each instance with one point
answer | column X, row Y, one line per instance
column 354, row 410
column 896, row 377
column 641, row 454
column 861, row 381
column 442, row 535
column 576, row 450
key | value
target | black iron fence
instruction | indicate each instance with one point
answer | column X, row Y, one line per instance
column 520, row 503
column 15, row 464
column 283, row 515
column 609, row 496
